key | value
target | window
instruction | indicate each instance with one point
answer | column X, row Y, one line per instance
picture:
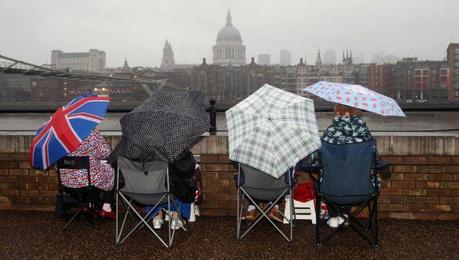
column 456, row 51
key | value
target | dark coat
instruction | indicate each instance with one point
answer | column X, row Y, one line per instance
column 181, row 173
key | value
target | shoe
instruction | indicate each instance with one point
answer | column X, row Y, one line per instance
column 157, row 223
column 251, row 215
column 334, row 222
column 108, row 215
column 274, row 214
column 343, row 221
column 176, row 224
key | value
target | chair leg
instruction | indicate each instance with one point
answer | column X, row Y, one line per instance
column 73, row 218
column 117, row 218
column 170, row 221
column 318, row 220
column 375, row 223
column 239, row 214
column 292, row 215
column 263, row 213
column 142, row 222
column 370, row 215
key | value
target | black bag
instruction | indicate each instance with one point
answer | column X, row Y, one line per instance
column 183, row 189
column 183, row 166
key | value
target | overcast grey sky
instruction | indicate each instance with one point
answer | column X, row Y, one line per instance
column 138, row 28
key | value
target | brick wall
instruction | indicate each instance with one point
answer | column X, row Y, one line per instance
column 421, row 187
column 424, row 183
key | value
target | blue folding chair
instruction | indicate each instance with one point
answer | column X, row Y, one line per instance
column 346, row 180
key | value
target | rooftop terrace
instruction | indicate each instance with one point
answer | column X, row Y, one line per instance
column 418, row 206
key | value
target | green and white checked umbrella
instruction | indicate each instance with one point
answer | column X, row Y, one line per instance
column 271, row 130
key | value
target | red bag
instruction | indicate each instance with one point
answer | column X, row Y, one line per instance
column 303, row 192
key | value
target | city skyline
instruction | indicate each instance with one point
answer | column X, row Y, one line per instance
column 363, row 29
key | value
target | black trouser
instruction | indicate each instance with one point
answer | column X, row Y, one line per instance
column 333, row 213
column 108, row 196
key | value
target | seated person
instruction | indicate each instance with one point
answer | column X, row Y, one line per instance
column 182, row 186
column 347, row 127
column 273, row 214
column 101, row 173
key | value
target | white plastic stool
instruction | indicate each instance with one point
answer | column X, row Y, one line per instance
column 303, row 210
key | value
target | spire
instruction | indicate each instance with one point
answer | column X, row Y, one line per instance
column 168, row 56
column 228, row 19
column 126, row 66
column 318, row 59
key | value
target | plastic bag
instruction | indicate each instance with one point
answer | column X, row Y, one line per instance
column 303, row 192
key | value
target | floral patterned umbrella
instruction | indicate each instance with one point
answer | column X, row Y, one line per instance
column 356, row 96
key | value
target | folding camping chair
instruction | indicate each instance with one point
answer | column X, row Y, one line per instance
column 145, row 184
column 84, row 197
column 257, row 186
column 346, row 179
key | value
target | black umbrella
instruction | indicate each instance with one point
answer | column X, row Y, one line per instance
column 168, row 122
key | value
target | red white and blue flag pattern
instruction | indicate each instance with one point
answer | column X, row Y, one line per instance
column 66, row 129
column 356, row 96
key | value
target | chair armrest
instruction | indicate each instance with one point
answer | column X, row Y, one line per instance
column 313, row 172
column 381, row 165
column 311, row 169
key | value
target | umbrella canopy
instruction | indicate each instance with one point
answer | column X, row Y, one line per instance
column 168, row 122
column 356, row 96
column 66, row 129
column 271, row 130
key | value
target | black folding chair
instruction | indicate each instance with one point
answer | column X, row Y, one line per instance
column 144, row 184
column 83, row 198
column 347, row 183
column 256, row 186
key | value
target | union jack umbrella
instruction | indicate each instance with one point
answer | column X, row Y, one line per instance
column 356, row 96
column 66, row 129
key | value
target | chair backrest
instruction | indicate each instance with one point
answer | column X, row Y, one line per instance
column 260, row 185
column 347, row 170
column 145, row 182
column 74, row 163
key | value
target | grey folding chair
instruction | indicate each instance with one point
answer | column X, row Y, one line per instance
column 256, row 186
column 145, row 184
